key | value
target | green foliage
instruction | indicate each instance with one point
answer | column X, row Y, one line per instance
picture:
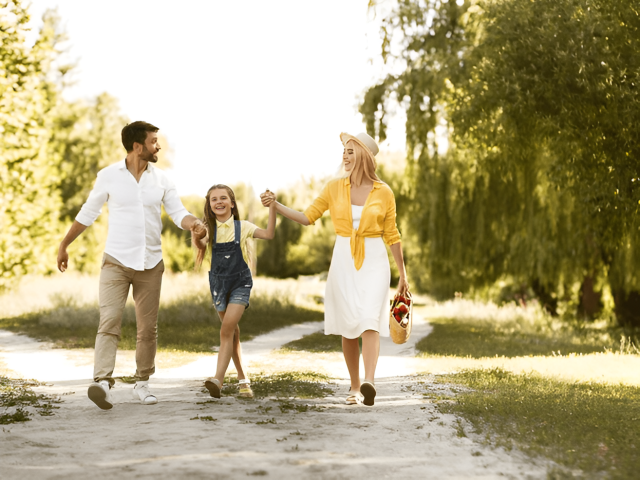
column 315, row 342
column 18, row 400
column 188, row 324
column 29, row 202
column 586, row 426
column 85, row 138
column 50, row 150
column 540, row 106
column 291, row 384
column 478, row 338
column 472, row 329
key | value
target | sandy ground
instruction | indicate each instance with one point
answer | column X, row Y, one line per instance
column 403, row 436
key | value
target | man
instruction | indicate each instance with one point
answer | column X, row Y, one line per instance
column 134, row 190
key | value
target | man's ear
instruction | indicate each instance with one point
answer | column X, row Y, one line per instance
column 137, row 148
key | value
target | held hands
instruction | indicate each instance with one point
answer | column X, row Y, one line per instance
column 268, row 198
column 198, row 230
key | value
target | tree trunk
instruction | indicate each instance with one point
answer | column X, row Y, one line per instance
column 547, row 299
column 627, row 308
column 590, row 300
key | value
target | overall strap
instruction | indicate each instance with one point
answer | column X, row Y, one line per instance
column 215, row 234
column 238, row 231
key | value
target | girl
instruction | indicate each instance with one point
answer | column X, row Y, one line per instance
column 229, row 278
column 363, row 210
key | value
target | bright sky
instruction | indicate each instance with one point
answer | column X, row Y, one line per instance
column 255, row 91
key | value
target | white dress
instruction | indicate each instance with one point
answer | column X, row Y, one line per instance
column 357, row 300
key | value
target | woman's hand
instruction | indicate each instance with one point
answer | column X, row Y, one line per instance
column 403, row 285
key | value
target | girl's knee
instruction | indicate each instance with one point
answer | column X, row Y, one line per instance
column 226, row 332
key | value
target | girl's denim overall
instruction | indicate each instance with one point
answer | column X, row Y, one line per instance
column 230, row 279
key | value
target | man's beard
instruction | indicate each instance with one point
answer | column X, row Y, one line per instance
column 148, row 157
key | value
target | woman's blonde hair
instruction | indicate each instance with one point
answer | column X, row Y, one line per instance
column 365, row 166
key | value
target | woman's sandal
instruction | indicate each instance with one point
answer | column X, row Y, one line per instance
column 368, row 391
column 354, row 398
column 214, row 387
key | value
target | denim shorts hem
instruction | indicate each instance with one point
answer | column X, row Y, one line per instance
column 245, row 304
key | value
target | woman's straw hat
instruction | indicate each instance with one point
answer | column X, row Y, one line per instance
column 363, row 140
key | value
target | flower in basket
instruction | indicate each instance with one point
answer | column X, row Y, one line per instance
column 401, row 310
column 403, row 299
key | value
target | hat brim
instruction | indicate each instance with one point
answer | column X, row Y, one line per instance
column 345, row 137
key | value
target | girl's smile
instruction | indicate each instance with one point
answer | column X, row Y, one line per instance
column 221, row 204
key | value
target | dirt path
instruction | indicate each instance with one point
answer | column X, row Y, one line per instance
column 402, row 436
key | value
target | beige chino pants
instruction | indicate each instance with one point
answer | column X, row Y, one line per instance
column 115, row 280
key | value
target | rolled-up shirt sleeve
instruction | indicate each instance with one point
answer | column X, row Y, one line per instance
column 173, row 205
column 319, row 206
column 92, row 208
column 390, row 233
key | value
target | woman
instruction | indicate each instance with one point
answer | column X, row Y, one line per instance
column 363, row 210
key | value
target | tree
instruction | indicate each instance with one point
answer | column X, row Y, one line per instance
column 29, row 201
column 540, row 100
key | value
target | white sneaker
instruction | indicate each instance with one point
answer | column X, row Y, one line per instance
column 99, row 394
column 141, row 392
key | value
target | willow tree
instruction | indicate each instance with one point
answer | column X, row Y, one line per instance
column 29, row 201
column 542, row 107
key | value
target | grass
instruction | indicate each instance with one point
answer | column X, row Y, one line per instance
column 465, row 329
column 18, row 401
column 188, row 323
column 284, row 385
column 588, row 426
column 315, row 342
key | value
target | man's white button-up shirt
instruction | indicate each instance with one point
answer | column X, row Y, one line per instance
column 134, row 212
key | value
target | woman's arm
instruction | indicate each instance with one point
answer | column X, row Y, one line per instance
column 403, row 284
column 271, row 226
column 269, row 198
column 292, row 214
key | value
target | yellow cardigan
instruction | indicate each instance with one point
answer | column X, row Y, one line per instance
column 378, row 215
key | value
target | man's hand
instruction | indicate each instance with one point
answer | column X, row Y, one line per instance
column 63, row 259
column 267, row 198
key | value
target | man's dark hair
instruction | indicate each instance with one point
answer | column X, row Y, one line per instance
column 136, row 132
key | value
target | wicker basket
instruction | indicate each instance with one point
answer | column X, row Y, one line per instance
column 400, row 334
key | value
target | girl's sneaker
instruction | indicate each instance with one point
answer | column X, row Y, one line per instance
column 245, row 389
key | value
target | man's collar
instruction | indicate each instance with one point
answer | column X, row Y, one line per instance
column 123, row 165
column 228, row 223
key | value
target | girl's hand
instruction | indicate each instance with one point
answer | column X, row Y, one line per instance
column 403, row 286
